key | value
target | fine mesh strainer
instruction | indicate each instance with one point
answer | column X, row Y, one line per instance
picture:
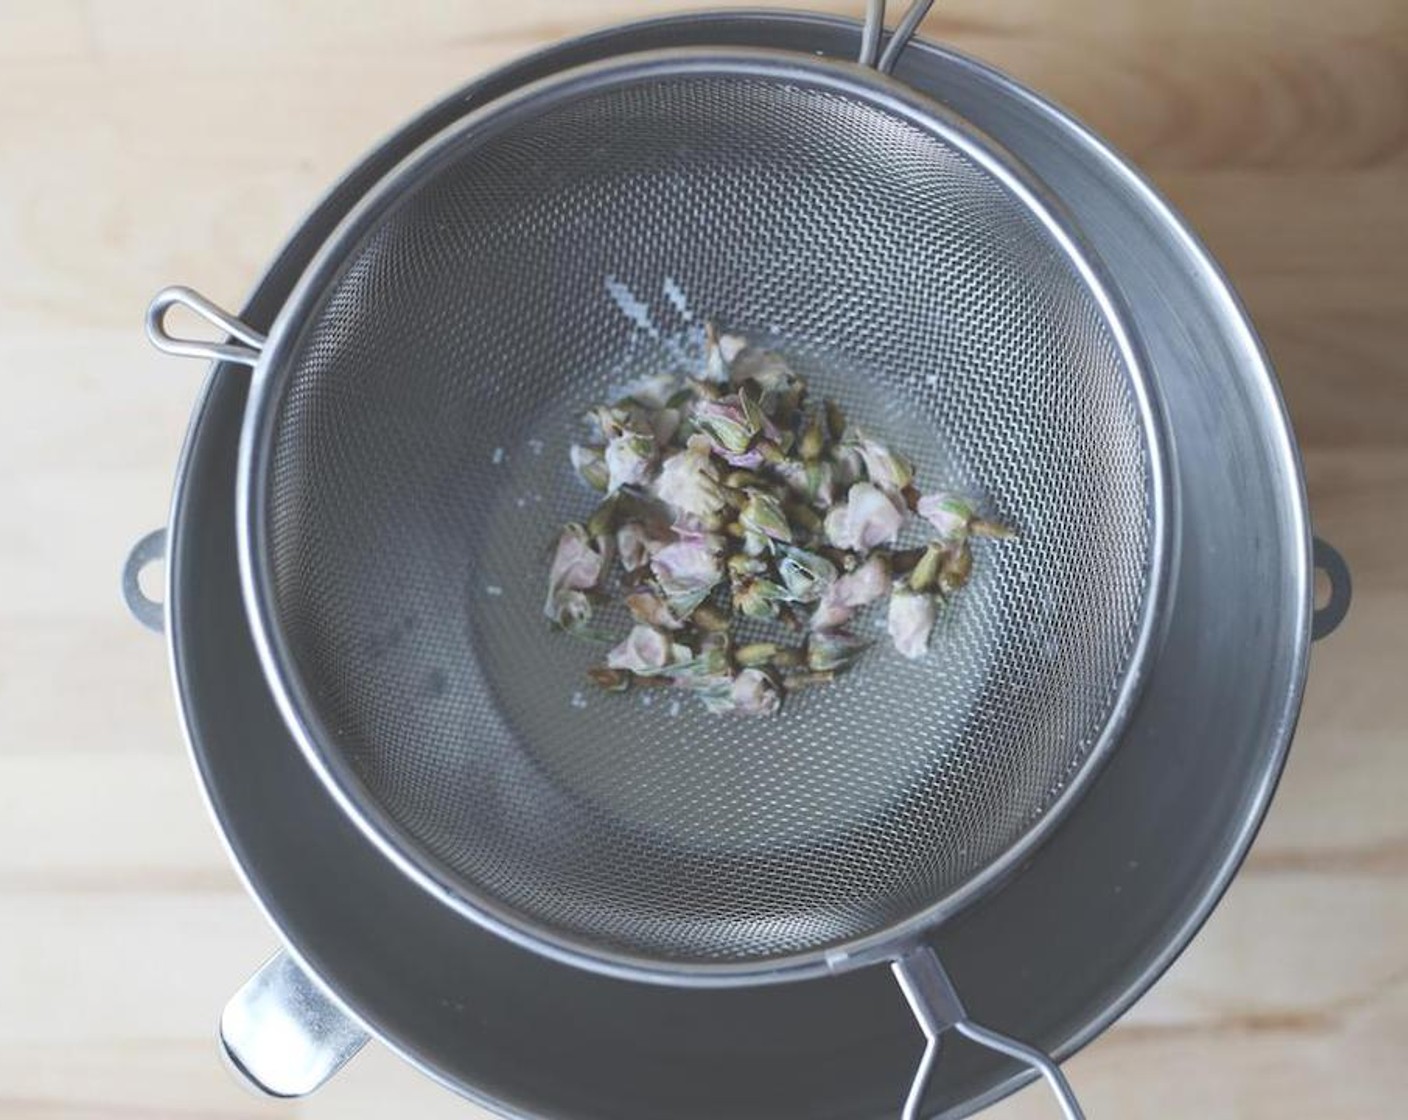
column 404, row 467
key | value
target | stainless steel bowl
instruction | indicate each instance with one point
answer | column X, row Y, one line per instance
column 1120, row 888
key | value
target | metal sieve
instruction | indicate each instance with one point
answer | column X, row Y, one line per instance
column 404, row 466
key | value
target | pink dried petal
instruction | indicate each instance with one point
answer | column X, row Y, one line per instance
column 911, row 621
column 689, row 482
column 576, row 565
column 754, row 694
column 868, row 583
column 867, row 519
column 747, row 461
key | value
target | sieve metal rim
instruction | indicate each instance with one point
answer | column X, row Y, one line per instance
column 271, row 375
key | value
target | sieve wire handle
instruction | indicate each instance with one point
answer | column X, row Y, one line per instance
column 283, row 1035
column 938, row 1009
column 168, row 343
column 874, row 30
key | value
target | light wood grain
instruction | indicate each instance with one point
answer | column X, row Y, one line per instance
column 145, row 143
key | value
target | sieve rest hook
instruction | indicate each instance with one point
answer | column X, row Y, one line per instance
column 283, row 1035
column 874, row 30
column 168, row 343
column 936, row 1005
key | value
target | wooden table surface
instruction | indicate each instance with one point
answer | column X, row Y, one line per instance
column 143, row 143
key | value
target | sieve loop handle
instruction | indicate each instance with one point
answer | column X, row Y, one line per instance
column 938, row 1009
column 168, row 343
column 874, row 30
column 151, row 549
column 1327, row 619
column 282, row 1035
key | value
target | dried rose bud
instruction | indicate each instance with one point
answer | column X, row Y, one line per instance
column 866, row 520
column 847, row 466
column 788, row 658
column 755, row 544
column 765, row 368
column 957, row 568
column 771, row 452
column 833, row 650
column 628, row 460
column 885, row 468
column 813, row 441
column 727, row 424
column 756, row 654
column 646, row 652
column 650, row 394
column 753, row 412
column 740, row 564
column 710, row 620
column 758, row 598
column 993, row 530
column 605, row 545
column 795, row 682
column 803, row 517
column 805, row 575
column 904, row 560
column 603, row 518
column 576, row 565
column 633, row 544
column 702, row 389
column 762, row 513
column 821, row 484
column 651, row 610
column 611, row 421
column 687, row 570
column 925, row 576
column 590, row 465
column 609, row 680
column 715, row 364
column 949, row 514
column 706, row 670
column 570, row 610
column 835, row 420
column 816, row 482
column 689, row 482
column 664, row 425
column 911, row 620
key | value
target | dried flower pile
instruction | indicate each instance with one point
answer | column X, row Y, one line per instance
column 732, row 496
